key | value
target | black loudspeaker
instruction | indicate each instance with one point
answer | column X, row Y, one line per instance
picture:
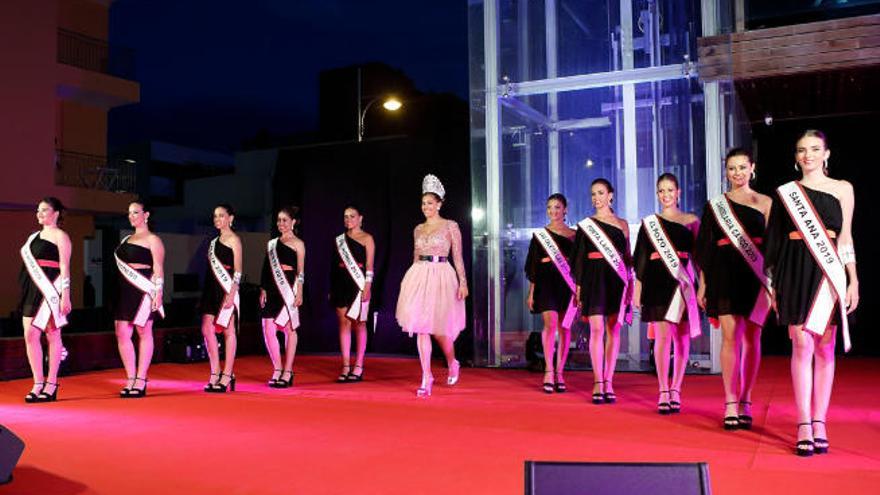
column 610, row 478
column 11, row 448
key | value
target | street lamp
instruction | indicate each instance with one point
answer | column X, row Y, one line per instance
column 391, row 104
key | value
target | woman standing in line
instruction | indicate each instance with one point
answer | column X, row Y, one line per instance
column 220, row 299
column 603, row 274
column 351, row 280
column 815, row 287
column 432, row 293
column 550, row 289
column 139, row 260
column 664, row 288
column 281, row 288
column 45, row 296
column 733, row 288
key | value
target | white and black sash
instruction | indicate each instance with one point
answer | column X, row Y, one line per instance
column 833, row 286
column 546, row 241
column 142, row 284
column 745, row 246
column 289, row 312
column 685, row 297
column 606, row 247
column 51, row 290
column 224, row 315
column 358, row 309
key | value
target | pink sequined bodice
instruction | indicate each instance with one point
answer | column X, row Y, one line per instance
column 440, row 242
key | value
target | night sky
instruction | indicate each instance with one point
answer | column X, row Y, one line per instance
column 214, row 72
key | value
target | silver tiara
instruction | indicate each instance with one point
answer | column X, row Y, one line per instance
column 431, row 184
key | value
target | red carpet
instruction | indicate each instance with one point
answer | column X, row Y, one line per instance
column 376, row 437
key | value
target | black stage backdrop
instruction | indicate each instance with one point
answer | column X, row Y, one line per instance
column 383, row 177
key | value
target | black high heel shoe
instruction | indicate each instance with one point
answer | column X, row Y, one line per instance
column 560, row 385
column 343, row 377
column 126, row 390
column 731, row 422
column 745, row 420
column 663, row 406
column 44, row 397
column 229, row 386
column 598, row 397
column 273, row 380
column 137, row 393
column 804, row 448
column 211, row 387
column 32, row 396
column 352, row 377
column 674, row 405
column 550, row 386
column 820, row 445
column 610, row 397
column 282, row 383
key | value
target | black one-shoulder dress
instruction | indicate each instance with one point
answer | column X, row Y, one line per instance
column 551, row 290
column 212, row 293
column 658, row 286
column 129, row 297
column 343, row 290
column 31, row 297
column 796, row 276
column 731, row 286
column 601, row 287
column 274, row 302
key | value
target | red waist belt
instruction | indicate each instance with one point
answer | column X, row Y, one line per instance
column 681, row 254
column 796, row 235
column 342, row 265
column 48, row 263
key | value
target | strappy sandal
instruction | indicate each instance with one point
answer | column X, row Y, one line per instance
column 32, row 396
column 560, row 385
column 820, row 445
column 343, row 377
column 674, row 405
column 731, row 422
column 663, row 406
column 745, row 420
column 805, row 448
column 356, row 378
column 598, row 397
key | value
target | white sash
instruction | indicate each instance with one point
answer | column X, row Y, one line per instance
column 546, row 241
column 289, row 312
column 142, row 284
column 358, row 309
column 833, row 285
column 605, row 246
column 225, row 281
column 739, row 238
column 685, row 298
column 51, row 305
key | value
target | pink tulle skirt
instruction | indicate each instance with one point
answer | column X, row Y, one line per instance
column 428, row 300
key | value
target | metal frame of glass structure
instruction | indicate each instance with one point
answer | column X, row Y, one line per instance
column 566, row 91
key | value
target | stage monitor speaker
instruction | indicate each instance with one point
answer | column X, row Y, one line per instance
column 11, row 448
column 616, row 478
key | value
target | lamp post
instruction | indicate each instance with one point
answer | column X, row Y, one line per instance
column 390, row 104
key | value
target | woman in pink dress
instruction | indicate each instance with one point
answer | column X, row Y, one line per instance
column 432, row 292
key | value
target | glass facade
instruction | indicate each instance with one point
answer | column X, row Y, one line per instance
column 564, row 92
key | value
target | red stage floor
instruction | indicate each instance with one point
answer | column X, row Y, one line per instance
column 376, row 437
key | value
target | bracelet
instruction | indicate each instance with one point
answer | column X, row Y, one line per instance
column 847, row 253
column 236, row 278
column 301, row 277
column 159, row 283
column 65, row 283
column 369, row 276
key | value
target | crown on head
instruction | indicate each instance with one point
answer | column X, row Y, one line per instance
column 431, row 184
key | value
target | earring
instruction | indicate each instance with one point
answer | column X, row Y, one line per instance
column 825, row 167
column 796, row 168
column 754, row 175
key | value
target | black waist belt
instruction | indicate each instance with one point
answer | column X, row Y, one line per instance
column 435, row 259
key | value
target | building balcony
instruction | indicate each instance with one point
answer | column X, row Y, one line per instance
column 93, row 72
column 85, row 171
